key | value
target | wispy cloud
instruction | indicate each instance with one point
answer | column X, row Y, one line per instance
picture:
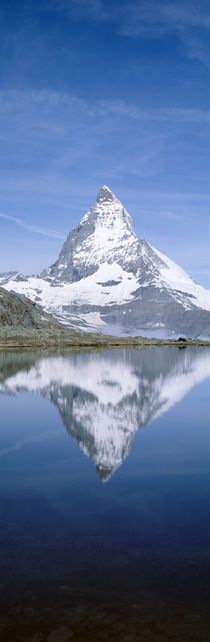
column 71, row 140
column 171, row 114
column 189, row 20
column 56, row 109
column 149, row 15
column 134, row 17
column 165, row 214
column 156, row 18
column 33, row 228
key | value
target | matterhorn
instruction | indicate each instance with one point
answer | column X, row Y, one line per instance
column 107, row 279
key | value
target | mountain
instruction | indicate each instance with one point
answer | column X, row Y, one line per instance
column 104, row 397
column 109, row 279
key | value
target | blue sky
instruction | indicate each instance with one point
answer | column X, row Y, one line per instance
column 101, row 91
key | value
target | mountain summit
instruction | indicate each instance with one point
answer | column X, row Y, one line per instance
column 104, row 235
column 105, row 194
column 108, row 278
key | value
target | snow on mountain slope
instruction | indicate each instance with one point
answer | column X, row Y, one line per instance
column 86, row 291
column 105, row 275
column 178, row 280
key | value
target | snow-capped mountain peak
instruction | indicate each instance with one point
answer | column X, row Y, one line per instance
column 106, row 276
column 109, row 212
column 105, row 235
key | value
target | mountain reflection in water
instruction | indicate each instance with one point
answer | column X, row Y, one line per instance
column 104, row 397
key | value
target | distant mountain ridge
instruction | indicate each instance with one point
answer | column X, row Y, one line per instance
column 106, row 277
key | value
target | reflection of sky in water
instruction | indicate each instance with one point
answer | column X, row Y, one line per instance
column 56, row 511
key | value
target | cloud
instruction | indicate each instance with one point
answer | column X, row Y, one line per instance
column 50, row 132
column 152, row 18
column 189, row 20
column 33, row 228
column 133, row 17
column 138, row 17
column 164, row 114
column 58, row 149
column 165, row 214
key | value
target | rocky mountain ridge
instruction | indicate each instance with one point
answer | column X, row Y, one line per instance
column 15, row 312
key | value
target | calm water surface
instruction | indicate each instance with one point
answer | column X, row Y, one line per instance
column 105, row 495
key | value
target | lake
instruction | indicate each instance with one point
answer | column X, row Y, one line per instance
column 105, row 495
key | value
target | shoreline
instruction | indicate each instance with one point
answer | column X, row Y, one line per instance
column 91, row 341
